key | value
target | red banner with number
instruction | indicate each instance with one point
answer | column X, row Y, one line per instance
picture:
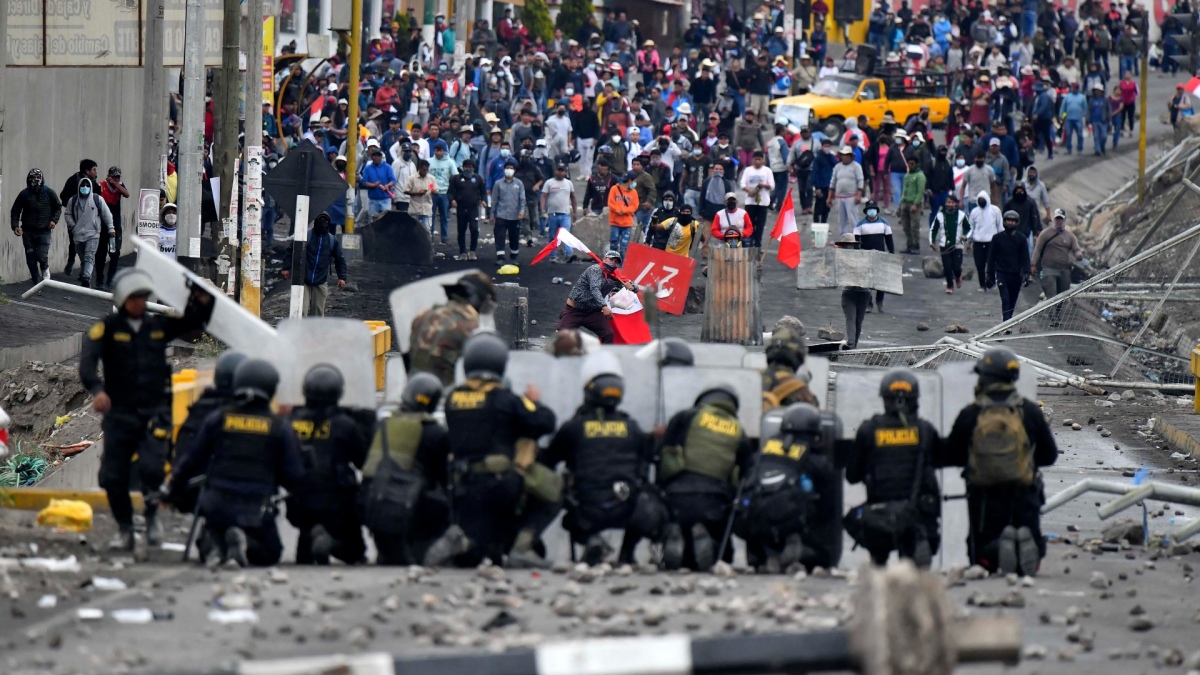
column 669, row 274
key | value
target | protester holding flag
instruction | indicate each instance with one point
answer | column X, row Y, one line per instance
column 786, row 234
column 587, row 305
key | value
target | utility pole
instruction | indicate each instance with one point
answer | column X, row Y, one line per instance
column 251, row 261
column 191, row 139
column 356, row 27
column 3, row 98
column 226, row 86
column 154, row 103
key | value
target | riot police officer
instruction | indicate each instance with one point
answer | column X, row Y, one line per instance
column 782, row 386
column 893, row 454
column 219, row 395
column 503, row 498
column 676, row 352
column 1001, row 440
column 247, row 452
column 781, row 492
column 608, row 457
column 325, row 508
column 438, row 333
column 134, row 395
column 700, row 455
column 404, row 501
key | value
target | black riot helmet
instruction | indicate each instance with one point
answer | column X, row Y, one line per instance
column 227, row 365
column 476, row 289
column 422, row 393
column 786, row 348
column 35, row 178
column 899, row 391
column 717, row 395
column 485, row 355
column 604, row 391
column 255, row 379
column 998, row 365
column 323, row 386
column 676, row 352
column 802, row 420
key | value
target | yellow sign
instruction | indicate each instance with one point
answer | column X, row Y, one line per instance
column 268, row 60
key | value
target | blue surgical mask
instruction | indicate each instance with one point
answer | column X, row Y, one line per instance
column 960, row 163
column 505, row 153
column 871, row 213
column 85, row 191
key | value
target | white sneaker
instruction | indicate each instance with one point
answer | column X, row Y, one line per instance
column 46, row 275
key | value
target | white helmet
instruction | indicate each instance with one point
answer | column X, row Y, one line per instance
column 131, row 282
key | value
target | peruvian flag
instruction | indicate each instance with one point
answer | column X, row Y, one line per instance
column 563, row 238
column 787, row 235
column 1193, row 86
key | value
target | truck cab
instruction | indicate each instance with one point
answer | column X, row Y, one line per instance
column 835, row 98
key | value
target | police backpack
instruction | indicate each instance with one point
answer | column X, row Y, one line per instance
column 1000, row 452
column 390, row 501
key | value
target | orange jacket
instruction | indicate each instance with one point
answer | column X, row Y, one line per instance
column 622, row 204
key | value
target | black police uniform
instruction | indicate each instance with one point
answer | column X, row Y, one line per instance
column 212, row 400
column 888, row 451
column 991, row 509
column 247, row 453
column 331, row 443
column 781, row 497
column 137, row 380
column 700, row 455
column 404, row 497
column 485, row 421
column 608, row 457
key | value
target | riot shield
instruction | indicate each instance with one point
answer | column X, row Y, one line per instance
column 558, row 380
column 682, row 385
column 839, row 268
column 230, row 322
column 411, row 299
column 395, row 378
column 958, row 390
column 345, row 344
column 816, row 368
column 857, row 394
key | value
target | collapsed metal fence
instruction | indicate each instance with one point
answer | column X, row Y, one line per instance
column 1130, row 326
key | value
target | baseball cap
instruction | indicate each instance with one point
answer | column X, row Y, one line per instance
column 1059, row 213
column 730, row 195
column 994, row 141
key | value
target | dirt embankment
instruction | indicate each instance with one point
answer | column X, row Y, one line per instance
column 48, row 407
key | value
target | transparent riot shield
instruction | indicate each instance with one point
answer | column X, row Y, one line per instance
column 682, row 385
column 958, row 390
column 857, row 394
column 230, row 322
column 345, row 344
column 816, row 369
column 411, row 299
column 558, row 380
column 395, row 378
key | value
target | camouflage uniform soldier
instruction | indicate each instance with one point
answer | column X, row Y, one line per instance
column 438, row 333
column 781, row 385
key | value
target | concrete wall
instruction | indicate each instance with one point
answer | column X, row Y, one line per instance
column 56, row 117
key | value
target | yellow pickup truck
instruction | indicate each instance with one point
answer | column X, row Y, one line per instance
column 835, row 98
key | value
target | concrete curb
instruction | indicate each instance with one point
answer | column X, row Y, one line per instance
column 1180, row 432
column 55, row 351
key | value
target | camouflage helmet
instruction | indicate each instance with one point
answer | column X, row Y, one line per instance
column 786, row 348
column 476, row 288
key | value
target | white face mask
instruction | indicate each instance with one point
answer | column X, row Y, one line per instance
column 570, row 91
column 170, row 219
column 509, row 173
column 616, row 138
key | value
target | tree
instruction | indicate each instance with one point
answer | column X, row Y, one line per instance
column 536, row 17
column 572, row 15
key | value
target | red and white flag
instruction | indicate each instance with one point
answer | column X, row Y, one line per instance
column 563, row 238
column 787, row 235
column 1193, row 86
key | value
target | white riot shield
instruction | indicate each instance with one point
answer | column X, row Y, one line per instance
column 857, row 393
column 682, row 385
column 839, row 268
column 558, row 380
column 230, row 322
column 816, row 368
column 345, row 344
column 395, row 379
column 411, row 299
column 958, row 390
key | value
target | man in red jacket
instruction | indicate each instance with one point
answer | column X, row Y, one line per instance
column 731, row 226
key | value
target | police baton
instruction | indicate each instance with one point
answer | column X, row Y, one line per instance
column 737, row 502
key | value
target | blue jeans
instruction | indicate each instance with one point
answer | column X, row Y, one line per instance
column 1099, row 135
column 1029, row 25
column 425, row 221
column 1116, row 133
column 268, row 227
column 1129, row 64
column 935, row 205
column 557, row 220
column 897, row 187
column 441, row 206
column 1075, row 126
column 618, row 239
column 376, row 207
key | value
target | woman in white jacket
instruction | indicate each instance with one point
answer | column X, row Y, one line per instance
column 86, row 214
